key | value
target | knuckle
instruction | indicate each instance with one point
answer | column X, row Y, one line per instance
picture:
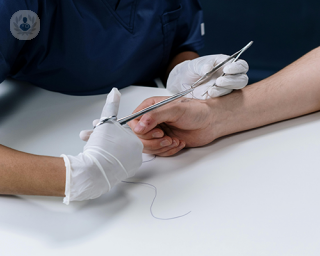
column 243, row 63
column 148, row 118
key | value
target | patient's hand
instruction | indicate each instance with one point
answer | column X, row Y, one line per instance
column 170, row 128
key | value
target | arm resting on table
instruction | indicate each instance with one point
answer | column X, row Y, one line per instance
column 292, row 92
column 27, row 174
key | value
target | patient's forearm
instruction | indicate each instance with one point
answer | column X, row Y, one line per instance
column 26, row 174
column 292, row 92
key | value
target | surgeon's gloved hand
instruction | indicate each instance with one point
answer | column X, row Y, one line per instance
column 186, row 73
column 113, row 153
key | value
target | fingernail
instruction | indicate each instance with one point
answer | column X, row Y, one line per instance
column 157, row 135
column 139, row 127
column 174, row 144
column 182, row 145
column 165, row 143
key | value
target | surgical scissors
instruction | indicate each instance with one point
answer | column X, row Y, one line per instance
column 129, row 118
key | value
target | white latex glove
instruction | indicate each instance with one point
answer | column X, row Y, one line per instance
column 186, row 73
column 112, row 154
column 111, row 109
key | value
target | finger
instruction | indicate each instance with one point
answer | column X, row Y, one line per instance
column 155, row 133
column 214, row 92
column 95, row 122
column 172, row 151
column 151, row 119
column 158, row 151
column 146, row 103
column 238, row 67
column 156, row 144
column 233, row 81
column 85, row 134
column 174, row 144
column 133, row 123
column 112, row 104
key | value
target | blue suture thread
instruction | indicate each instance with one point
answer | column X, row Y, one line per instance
column 150, row 159
column 155, row 195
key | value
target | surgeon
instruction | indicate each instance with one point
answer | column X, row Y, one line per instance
column 88, row 47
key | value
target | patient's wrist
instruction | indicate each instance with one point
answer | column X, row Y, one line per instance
column 224, row 114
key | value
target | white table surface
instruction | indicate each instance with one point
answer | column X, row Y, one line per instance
column 253, row 193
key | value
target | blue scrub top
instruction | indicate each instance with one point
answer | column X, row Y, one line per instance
column 87, row 47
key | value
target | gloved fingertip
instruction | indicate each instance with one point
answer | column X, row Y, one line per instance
column 234, row 82
column 227, row 81
column 112, row 104
column 113, row 96
column 237, row 67
column 219, row 81
column 244, row 81
column 95, row 122
column 85, row 135
column 243, row 63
